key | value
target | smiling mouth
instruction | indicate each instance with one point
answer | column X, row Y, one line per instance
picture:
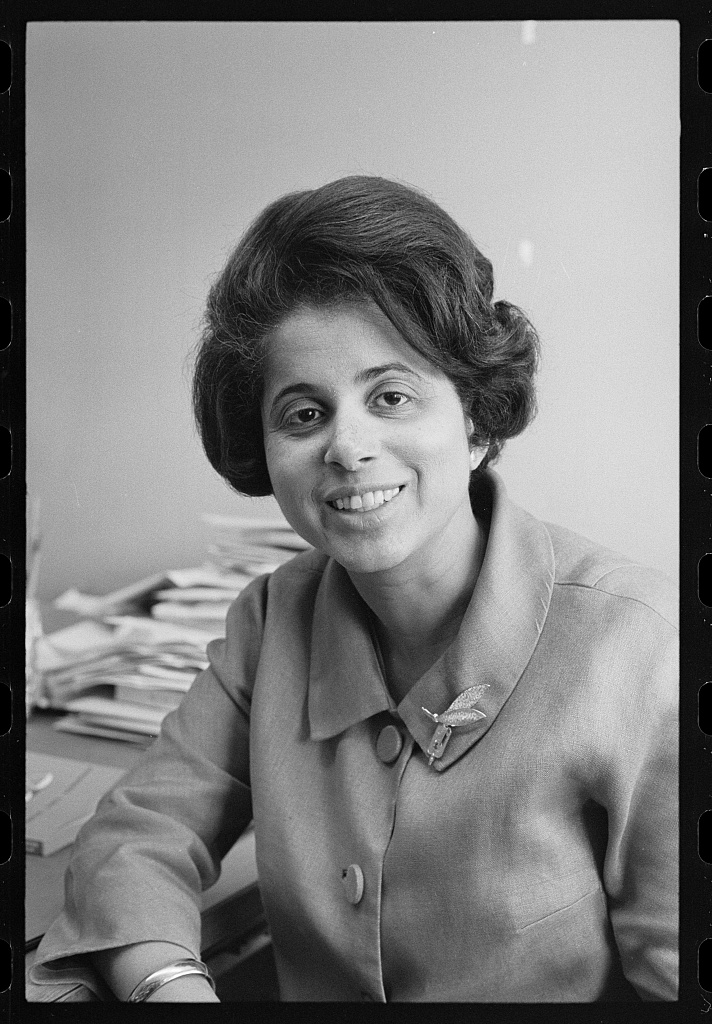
column 365, row 502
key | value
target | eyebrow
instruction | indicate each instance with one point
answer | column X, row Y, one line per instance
column 362, row 377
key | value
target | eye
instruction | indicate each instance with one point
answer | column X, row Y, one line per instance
column 392, row 399
column 303, row 417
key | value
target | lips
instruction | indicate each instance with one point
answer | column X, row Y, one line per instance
column 364, row 501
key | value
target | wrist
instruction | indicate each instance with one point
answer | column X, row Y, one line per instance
column 185, row 967
column 191, row 988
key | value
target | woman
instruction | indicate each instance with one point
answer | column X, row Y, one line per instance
column 454, row 725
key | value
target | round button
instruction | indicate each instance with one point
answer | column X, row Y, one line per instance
column 352, row 879
column 389, row 744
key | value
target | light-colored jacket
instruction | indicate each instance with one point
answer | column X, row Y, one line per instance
column 536, row 860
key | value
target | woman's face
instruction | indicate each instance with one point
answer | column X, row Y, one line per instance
column 366, row 441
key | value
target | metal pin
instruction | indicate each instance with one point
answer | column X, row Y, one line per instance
column 438, row 742
column 461, row 712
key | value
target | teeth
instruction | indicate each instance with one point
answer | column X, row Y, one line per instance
column 367, row 501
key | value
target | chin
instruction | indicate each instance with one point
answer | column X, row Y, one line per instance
column 368, row 559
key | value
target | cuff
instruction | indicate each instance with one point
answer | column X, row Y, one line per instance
column 68, row 975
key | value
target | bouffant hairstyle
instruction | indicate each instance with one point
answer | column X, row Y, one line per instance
column 359, row 238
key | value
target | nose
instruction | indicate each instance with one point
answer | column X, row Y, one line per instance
column 351, row 442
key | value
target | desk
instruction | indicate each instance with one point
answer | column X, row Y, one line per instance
column 239, row 957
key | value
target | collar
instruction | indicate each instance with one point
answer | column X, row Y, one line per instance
column 496, row 640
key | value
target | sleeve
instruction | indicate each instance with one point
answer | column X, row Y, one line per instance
column 641, row 871
column 156, row 841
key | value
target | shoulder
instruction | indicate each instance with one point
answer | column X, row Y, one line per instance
column 306, row 566
column 298, row 574
column 272, row 609
column 291, row 586
column 612, row 579
column 296, row 581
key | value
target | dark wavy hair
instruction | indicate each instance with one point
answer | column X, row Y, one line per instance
column 359, row 238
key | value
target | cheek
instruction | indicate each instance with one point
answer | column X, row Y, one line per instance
column 288, row 470
column 292, row 494
column 280, row 459
column 442, row 448
column 446, row 471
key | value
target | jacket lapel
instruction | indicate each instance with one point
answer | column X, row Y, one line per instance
column 345, row 680
column 497, row 637
column 499, row 631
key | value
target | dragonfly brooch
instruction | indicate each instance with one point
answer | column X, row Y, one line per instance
column 462, row 711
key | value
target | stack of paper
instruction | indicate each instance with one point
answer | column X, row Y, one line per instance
column 137, row 652
column 198, row 598
column 252, row 546
column 241, row 548
column 123, row 674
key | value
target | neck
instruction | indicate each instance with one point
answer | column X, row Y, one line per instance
column 418, row 609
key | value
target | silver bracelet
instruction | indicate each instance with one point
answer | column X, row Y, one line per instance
column 161, row 977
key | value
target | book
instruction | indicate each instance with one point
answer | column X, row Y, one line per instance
column 150, row 696
column 118, row 713
column 192, row 595
column 78, row 727
column 177, row 611
column 60, row 795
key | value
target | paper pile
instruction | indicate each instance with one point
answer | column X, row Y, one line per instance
column 252, row 546
column 136, row 652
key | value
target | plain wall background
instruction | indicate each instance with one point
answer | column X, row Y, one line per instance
column 150, row 146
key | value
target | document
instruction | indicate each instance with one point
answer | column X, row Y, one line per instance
column 60, row 795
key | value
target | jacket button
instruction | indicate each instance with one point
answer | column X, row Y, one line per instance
column 389, row 744
column 352, row 878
